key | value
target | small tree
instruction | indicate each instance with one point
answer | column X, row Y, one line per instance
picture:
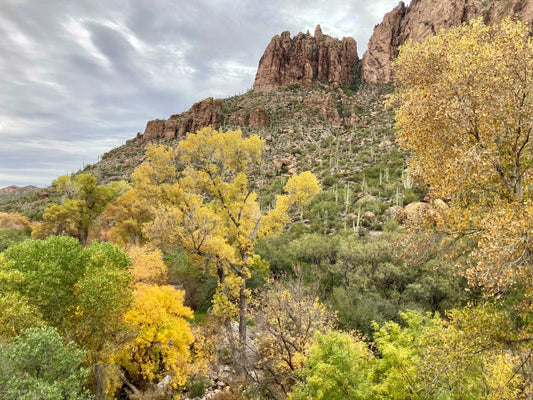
column 38, row 365
column 83, row 202
column 287, row 317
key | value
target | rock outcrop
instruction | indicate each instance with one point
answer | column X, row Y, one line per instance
column 258, row 117
column 427, row 17
column 303, row 58
column 202, row 114
column 325, row 106
column 383, row 47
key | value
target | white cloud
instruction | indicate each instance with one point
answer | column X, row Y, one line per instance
column 79, row 34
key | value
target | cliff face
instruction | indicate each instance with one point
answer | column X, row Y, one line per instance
column 382, row 47
column 299, row 60
column 427, row 17
column 202, row 114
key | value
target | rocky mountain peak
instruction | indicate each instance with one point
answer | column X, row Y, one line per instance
column 289, row 61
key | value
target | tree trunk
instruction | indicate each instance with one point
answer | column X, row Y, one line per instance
column 243, row 315
column 243, row 319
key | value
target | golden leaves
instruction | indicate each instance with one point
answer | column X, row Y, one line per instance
column 465, row 116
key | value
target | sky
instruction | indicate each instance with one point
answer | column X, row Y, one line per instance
column 80, row 77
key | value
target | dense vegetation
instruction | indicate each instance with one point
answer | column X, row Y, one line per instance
column 199, row 274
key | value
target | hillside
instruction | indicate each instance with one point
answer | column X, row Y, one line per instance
column 13, row 191
column 331, row 124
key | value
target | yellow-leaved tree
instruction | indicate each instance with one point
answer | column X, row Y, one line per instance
column 83, row 202
column 163, row 337
column 465, row 116
column 204, row 202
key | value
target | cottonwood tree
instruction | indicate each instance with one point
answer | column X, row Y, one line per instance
column 204, row 202
column 84, row 200
column 161, row 345
column 465, row 117
column 82, row 291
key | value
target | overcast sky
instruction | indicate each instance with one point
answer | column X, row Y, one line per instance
column 80, row 77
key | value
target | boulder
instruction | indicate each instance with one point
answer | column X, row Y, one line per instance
column 258, row 117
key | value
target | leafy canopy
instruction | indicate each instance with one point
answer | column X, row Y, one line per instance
column 465, row 116
column 204, row 202
column 38, row 365
column 84, row 200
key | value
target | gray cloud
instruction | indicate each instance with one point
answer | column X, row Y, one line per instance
column 78, row 78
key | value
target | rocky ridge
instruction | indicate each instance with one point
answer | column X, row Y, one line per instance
column 286, row 62
column 427, row 17
column 321, row 129
column 299, row 60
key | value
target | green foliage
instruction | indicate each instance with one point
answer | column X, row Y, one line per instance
column 38, row 365
column 428, row 358
column 364, row 279
column 10, row 236
column 102, row 296
column 45, row 273
column 338, row 368
column 81, row 291
column 199, row 284
column 16, row 315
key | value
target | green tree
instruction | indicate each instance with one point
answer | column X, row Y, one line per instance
column 84, row 200
column 82, row 291
column 45, row 273
column 338, row 368
column 9, row 236
column 38, row 365
column 428, row 358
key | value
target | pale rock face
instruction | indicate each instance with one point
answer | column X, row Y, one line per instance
column 289, row 61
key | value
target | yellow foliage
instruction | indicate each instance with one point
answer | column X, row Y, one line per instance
column 162, row 344
column 124, row 217
column 203, row 201
column 13, row 221
column 148, row 265
column 226, row 298
column 465, row 116
column 302, row 188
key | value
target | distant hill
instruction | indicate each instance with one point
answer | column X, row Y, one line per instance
column 11, row 191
